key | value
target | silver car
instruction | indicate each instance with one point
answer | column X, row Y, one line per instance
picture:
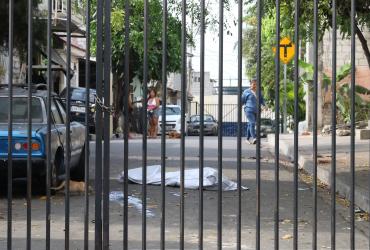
column 210, row 125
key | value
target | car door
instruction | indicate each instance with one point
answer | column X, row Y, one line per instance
column 58, row 129
column 77, row 132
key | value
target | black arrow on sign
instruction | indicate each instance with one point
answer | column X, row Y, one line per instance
column 286, row 46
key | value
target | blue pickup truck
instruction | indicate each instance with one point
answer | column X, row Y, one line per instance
column 39, row 132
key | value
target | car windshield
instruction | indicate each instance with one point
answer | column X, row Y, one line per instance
column 266, row 122
column 80, row 95
column 207, row 118
column 20, row 111
column 171, row 111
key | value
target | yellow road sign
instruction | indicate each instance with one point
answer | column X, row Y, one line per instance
column 286, row 50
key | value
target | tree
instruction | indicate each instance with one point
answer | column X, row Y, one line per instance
column 20, row 26
column 268, row 62
column 325, row 18
column 136, row 41
column 154, row 38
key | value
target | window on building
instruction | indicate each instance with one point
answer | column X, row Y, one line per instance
column 196, row 79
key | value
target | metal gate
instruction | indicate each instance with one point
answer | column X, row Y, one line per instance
column 101, row 206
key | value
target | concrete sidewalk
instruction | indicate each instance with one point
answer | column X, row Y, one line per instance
column 343, row 176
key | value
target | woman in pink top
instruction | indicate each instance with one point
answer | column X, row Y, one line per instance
column 152, row 108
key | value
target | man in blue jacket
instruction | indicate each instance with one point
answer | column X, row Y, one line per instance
column 249, row 100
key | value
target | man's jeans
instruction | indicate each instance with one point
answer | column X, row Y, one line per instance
column 251, row 128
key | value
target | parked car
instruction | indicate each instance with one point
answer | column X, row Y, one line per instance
column 78, row 105
column 267, row 127
column 39, row 132
column 210, row 125
column 173, row 118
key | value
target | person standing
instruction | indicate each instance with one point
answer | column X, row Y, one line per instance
column 152, row 108
column 249, row 100
column 120, row 114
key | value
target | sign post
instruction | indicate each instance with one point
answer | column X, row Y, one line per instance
column 287, row 48
column 284, row 104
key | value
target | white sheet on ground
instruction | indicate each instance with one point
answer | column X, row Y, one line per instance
column 210, row 178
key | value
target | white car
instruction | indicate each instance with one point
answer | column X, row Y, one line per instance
column 173, row 119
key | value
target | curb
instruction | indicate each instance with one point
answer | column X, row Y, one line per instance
column 305, row 163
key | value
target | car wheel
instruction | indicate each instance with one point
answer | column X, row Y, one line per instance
column 57, row 169
column 215, row 131
column 92, row 130
column 78, row 173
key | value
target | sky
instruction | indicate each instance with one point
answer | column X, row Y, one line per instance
column 230, row 52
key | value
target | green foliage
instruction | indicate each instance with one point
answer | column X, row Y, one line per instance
column 343, row 72
column 343, row 96
column 21, row 25
column 324, row 17
column 307, row 71
column 2, row 71
column 362, row 107
column 268, row 38
column 137, row 37
column 290, row 99
column 306, row 34
column 154, row 34
column 306, row 77
column 155, row 52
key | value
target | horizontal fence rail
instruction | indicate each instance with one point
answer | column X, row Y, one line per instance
column 270, row 187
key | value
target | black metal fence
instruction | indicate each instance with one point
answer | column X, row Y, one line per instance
column 229, row 116
column 101, row 157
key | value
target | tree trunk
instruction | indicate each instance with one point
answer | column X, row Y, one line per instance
column 309, row 94
column 309, row 102
column 364, row 45
column 319, row 85
column 116, row 95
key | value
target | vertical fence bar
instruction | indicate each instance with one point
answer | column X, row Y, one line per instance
column 68, row 127
column 29, row 125
column 334, row 123
column 126, row 128
column 163, row 132
column 239, row 135
column 220, row 117
column 145, row 115
column 10, row 126
column 258, row 147
column 353, row 117
column 87, row 132
column 277, row 114
column 48, row 135
column 296, row 114
column 183, row 109
column 201, row 136
column 98, row 133
column 314, row 126
column 107, row 83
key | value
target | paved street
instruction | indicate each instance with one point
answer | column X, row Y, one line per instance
column 343, row 173
column 191, row 203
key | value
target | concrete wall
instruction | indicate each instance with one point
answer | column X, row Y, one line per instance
column 343, row 57
column 18, row 68
column 208, row 85
column 343, row 50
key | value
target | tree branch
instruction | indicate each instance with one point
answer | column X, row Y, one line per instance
column 364, row 45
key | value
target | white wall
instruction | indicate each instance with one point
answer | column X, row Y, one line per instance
column 174, row 81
